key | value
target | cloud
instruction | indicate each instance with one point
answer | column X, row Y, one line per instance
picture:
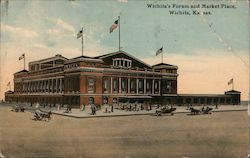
column 53, row 32
column 74, row 4
column 65, row 25
column 62, row 27
column 123, row 1
column 26, row 33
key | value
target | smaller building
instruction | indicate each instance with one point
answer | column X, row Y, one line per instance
column 9, row 96
column 230, row 97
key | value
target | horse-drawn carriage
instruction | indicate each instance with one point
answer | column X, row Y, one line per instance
column 42, row 115
column 203, row 110
column 165, row 110
column 207, row 110
column 18, row 108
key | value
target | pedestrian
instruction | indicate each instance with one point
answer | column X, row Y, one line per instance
column 216, row 106
column 38, row 111
column 203, row 107
column 58, row 107
column 92, row 106
column 94, row 109
column 70, row 108
column 83, row 107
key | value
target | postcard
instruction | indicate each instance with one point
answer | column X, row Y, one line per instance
column 124, row 79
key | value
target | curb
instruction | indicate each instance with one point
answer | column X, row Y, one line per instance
column 138, row 114
column 91, row 116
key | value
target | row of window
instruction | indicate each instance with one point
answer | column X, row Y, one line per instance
column 124, row 85
column 49, row 64
column 70, row 66
column 40, row 86
column 122, row 63
column 54, row 70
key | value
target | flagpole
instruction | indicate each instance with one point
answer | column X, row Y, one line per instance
column 82, row 41
column 162, row 57
column 24, row 62
column 119, row 34
column 233, row 85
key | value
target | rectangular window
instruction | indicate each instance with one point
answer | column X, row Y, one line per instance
column 115, row 85
column 91, row 85
column 140, row 84
column 123, row 84
column 132, row 84
column 105, row 85
column 156, row 88
column 169, row 87
column 148, row 86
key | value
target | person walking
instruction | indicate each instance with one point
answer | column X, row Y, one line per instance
column 95, row 109
column 70, row 108
column 38, row 111
column 92, row 107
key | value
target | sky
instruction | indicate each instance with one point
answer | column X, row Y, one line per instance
column 209, row 50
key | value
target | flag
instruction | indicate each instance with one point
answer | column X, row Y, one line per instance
column 8, row 83
column 21, row 57
column 159, row 51
column 230, row 81
column 114, row 26
column 79, row 34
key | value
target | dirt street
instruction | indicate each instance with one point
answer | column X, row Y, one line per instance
column 222, row 134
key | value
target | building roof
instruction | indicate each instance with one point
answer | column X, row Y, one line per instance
column 165, row 65
column 21, row 71
column 9, row 92
column 233, row 91
column 201, row 95
column 48, row 59
column 162, row 64
column 83, row 56
column 122, row 52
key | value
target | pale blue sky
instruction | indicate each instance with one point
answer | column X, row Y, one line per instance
column 43, row 28
column 143, row 30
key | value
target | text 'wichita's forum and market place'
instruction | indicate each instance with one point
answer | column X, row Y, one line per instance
column 191, row 9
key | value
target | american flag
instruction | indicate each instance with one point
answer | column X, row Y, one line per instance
column 79, row 34
column 114, row 26
column 22, row 56
column 159, row 51
column 230, row 81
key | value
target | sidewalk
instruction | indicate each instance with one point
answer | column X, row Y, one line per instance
column 76, row 113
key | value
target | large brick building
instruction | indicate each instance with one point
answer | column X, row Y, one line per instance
column 110, row 78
